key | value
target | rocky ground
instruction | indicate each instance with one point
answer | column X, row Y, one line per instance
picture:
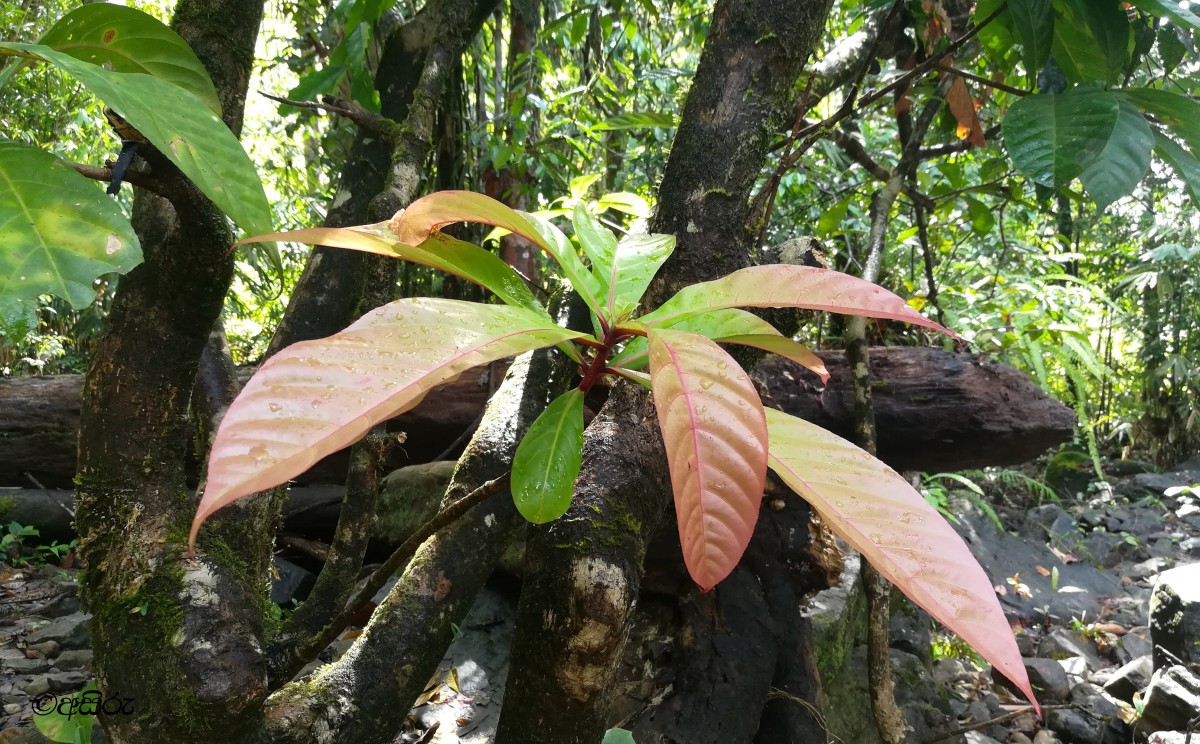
column 1103, row 591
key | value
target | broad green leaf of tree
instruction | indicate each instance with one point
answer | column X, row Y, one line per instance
column 596, row 240
column 1109, row 27
column 430, row 213
column 548, row 459
column 131, row 41
column 1034, row 21
column 1124, row 160
column 638, row 259
column 715, row 433
column 1186, row 166
column 982, row 220
column 1053, row 138
column 785, row 285
column 181, row 127
column 879, row 514
column 1179, row 12
column 59, row 231
column 1078, row 55
column 316, row 397
column 636, row 120
column 1180, row 113
column 439, row 251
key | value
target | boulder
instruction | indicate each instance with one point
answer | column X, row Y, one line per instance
column 1132, row 677
column 1171, row 700
column 1175, row 616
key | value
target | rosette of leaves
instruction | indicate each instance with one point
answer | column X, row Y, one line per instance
column 316, row 397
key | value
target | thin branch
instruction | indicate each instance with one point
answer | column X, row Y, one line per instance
column 138, row 178
column 395, row 561
column 352, row 110
column 980, row 79
column 997, row 720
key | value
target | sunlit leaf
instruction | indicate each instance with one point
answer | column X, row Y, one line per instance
column 786, row 285
column 715, row 325
column 1120, row 166
column 59, row 233
column 596, row 240
column 784, row 347
column 716, row 440
column 1053, row 138
column 1180, row 113
column 187, row 132
column 430, row 213
column 439, row 251
column 1109, row 26
column 879, row 514
column 130, row 40
column 1186, row 166
column 1179, row 12
column 548, row 459
column 316, row 397
column 636, row 120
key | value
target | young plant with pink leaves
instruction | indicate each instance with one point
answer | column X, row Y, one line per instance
column 317, row 397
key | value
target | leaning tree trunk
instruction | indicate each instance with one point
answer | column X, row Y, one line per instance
column 583, row 571
column 182, row 638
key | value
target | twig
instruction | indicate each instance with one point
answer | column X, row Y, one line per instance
column 352, row 110
column 138, row 178
column 997, row 720
column 980, row 79
column 47, row 494
column 777, row 694
column 400, row 557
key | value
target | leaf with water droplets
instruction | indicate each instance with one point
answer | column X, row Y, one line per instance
column 785, row 285
column 548, row 460
column 716, row 441
column 331, row 391
column 880, row 515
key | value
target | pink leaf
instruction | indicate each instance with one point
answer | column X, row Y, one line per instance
column 784, row 285
column 880, row 515
column 316, row 397
column 430, row 213
column 716, row 439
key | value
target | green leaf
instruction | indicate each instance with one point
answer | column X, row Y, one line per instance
column 1109, row 26
column 1186, row 166
column 439, row 251
column 316, row 397
column 778, row 344
column 315, row 83
column 618, row 736
column 548, row 459
column 716, row 325
column 131, row 41
column 638, row 259
column 831, row 219
column 1180, row 113
column 1172, row 9
column 59, row 231
column 1053, row 138
column 181, row 127
column 1124, row 160
column 636, row 120
column 596, row 240
column 64, row 723
column 1034, row 21
column 1078, row 54
column 982, row 220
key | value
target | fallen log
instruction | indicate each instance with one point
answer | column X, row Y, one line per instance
column 934, row 410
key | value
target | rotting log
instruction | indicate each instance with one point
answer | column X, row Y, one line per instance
column 935, row 410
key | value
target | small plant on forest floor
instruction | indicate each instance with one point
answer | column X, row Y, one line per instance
column 939, row 495
column 316, row 397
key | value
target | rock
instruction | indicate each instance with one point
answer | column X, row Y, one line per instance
column 974, row 737
column 948, row 671
column 1076, row 726
column 293, row 582
column 48, row 649
column 1131, row 678
column 1134, row 645
column 1017, row 737
column 1167, row 737
column 908, row 629
column 1191, row 546
column 66, row 681
column 1063, row 644
column 35, row 686
column 409, row 497
column 1147, row 568
column 1171, row 700
column 1044, row 737
column 12, row 709
column 26, row 666
column 74, row 659
column 1175, row 616
column 1049, row 680
column 69, row 631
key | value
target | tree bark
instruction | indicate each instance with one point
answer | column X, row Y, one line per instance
column 583, row 570
column 183, row 638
